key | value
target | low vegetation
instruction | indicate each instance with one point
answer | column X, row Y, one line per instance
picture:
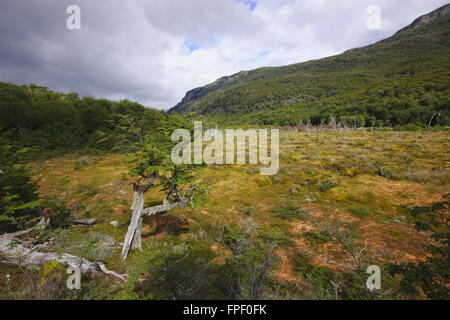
column 250, row 236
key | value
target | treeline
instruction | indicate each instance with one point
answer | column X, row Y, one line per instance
column 421, row 100
column 55, row 123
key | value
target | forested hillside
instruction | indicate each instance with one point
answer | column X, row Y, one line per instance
column 55, row 123
column 401, row 80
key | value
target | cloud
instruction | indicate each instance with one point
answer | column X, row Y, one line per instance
column 154, row 51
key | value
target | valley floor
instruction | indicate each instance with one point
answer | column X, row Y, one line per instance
column 361, row 183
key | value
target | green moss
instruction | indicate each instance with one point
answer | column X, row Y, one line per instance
column 316, row 237
column 361, row 212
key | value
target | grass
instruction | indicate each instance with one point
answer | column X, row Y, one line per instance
column 338, row 183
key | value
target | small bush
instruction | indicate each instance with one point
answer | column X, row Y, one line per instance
column 172, row 271
column 327, row 185
column 383, row 171
column 315, row 237
column 89, row 189
column 82, row 162
column 287, row 212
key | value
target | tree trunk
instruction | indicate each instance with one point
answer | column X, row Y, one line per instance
column 133, row 238
column 137, row 239
column 134, row 229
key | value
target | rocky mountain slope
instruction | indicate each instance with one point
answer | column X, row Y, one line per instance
column 418, row 52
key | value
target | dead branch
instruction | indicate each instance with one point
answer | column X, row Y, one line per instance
column 43, row 223
column 12, row 252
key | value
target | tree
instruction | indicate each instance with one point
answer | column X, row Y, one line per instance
column 18, row 192
column 152, row 167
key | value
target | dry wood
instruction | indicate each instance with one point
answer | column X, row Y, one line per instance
column 12, row 252
column 136, row 209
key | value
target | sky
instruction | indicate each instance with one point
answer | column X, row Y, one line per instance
column 154, row 51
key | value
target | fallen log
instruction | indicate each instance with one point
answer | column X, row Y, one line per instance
column 16, row 254
column 41, row 225
column 12, row 252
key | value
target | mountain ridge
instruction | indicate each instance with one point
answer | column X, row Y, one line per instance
column 275, row 87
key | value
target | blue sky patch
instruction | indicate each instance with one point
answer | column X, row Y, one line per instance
column 251, row 3
column 191, row 46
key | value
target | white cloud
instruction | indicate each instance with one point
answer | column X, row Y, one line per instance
column 137, row 49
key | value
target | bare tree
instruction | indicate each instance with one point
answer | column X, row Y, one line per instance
column 176, row 196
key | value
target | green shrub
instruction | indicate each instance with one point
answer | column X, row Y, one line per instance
column 361, row 211
column 287, row 212
column 89, row 189
column 80, row 163
column 315, row 237
column 327, row 185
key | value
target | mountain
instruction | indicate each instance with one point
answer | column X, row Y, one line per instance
column 402, row 79
column 429, row 17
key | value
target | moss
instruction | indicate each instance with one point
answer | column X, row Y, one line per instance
column 315, row 237
column 361, row 212
column 327, row 185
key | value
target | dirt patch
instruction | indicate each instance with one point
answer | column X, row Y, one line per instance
column 300, row 227
column 285, row 273
column 329, row 212
column 120, row 210
column 165, row 224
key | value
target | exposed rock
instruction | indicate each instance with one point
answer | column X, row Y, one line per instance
column 104, row 239
column 86, row 222
column 104, row 247
column 114, row 223
column 427, row 18
column 309, row 182
column 197, row 93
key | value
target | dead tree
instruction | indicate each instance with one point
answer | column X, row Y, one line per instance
column 176, row 196
column 149, row 161
column 438, row 116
